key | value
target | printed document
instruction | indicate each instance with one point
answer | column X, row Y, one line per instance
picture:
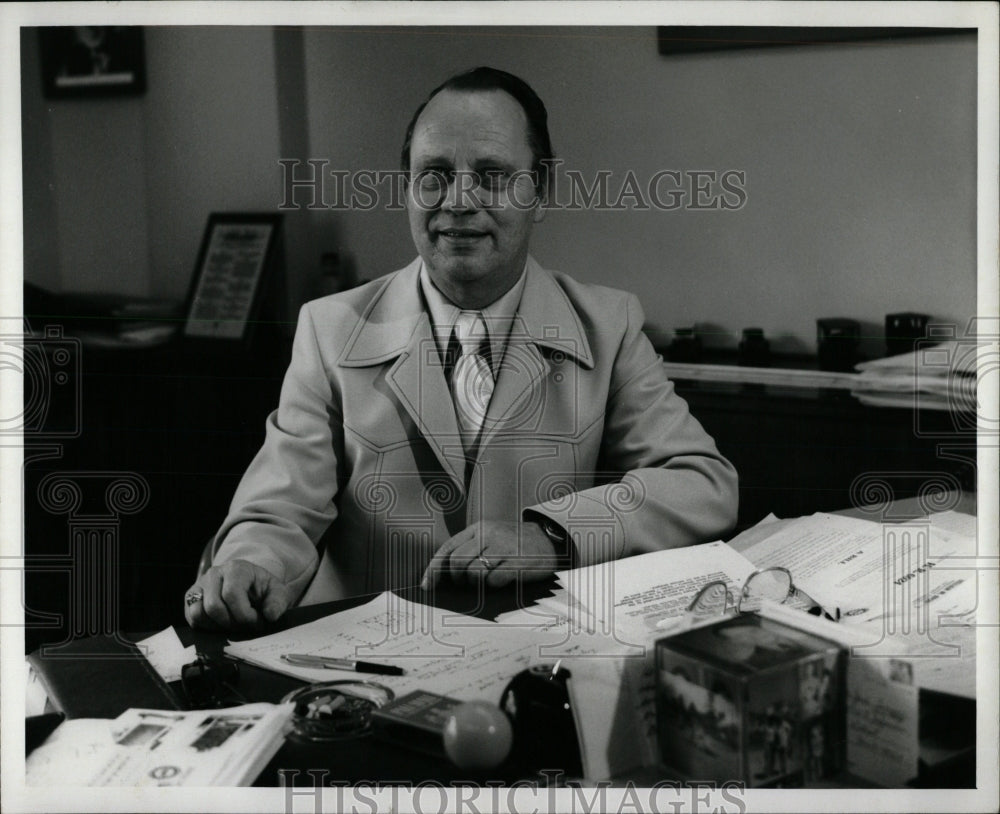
column 873, row 571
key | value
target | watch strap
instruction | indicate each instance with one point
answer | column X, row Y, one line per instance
column 557, row 535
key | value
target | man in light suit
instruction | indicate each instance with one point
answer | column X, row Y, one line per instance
column 471, row 416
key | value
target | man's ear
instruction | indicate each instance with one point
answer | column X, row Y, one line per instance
column 541, row 206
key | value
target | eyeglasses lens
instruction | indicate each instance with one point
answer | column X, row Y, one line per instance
column 712, row 600
column 773, row 584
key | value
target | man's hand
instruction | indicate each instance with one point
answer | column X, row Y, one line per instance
column 494, row 549
column 236, row 594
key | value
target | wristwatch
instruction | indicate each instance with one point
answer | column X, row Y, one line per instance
column 557, row 536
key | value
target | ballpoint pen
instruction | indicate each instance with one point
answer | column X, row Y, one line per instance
column 329, row 663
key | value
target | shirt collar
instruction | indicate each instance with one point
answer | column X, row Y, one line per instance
column 498, row 315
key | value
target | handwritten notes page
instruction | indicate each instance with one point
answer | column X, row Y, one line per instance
column 449, row 653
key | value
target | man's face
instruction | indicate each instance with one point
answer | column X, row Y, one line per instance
column 471, row 199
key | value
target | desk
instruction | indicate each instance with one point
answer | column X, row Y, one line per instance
column 365, row 759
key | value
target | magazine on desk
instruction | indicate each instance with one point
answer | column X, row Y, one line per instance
column 155, row 747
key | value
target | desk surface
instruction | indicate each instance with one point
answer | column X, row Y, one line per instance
column 363, row 759
column 367, row 759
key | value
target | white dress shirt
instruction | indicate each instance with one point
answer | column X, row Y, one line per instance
column 498, row 316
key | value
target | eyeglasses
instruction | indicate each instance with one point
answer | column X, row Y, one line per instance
column 209, row 683
column 767, row 585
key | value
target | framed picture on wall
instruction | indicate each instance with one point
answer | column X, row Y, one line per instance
column 692, row 39
column 96, row 60
column 236, row 264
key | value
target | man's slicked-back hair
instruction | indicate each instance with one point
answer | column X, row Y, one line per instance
column 487, row 79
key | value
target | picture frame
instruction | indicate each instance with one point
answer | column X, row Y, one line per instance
column 236, row 267
column 691, row 39
column 89, row 61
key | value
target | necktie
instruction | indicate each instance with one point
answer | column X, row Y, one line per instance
column 472, row 379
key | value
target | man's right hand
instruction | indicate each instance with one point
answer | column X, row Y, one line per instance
column 236, row 594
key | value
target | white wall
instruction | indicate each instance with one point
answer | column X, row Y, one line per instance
column 211, row 131
column 859, row 158
column 84, row 189
column 133, row 179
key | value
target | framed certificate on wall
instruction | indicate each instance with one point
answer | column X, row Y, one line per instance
column 100, row 60
column 235, row 266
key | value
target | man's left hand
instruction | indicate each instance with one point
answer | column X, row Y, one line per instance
column 495, row 551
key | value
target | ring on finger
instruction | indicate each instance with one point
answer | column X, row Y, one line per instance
column 194, row 597
column 486, row 563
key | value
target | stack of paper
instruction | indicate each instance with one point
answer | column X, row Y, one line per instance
column 601, row 627
column 769, row 376
column 615, row 611
column 942, row 377
column 450, row 653
column 908, row 589
column 603, row 621
column 152, row 747
column 631, row 601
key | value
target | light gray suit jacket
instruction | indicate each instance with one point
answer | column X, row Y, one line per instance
column 362, row 474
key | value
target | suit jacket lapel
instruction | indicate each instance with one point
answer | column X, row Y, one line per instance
column 545, row 319
column 519, row 378
column 418, row 381
column 395, row 328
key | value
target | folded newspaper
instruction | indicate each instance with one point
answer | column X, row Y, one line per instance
column 152, row 747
